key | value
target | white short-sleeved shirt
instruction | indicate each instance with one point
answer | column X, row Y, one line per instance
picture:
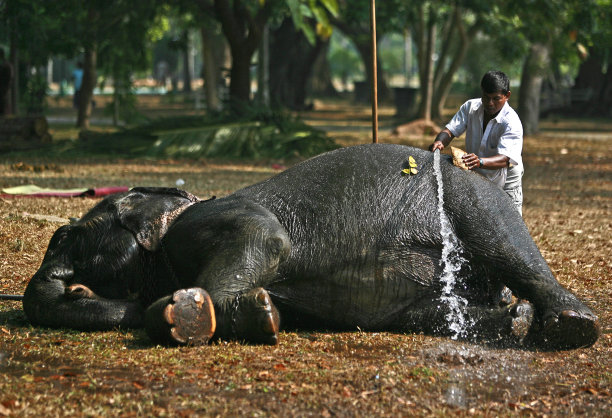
column 503, row 135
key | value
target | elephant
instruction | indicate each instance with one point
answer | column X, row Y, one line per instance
column 348, row 239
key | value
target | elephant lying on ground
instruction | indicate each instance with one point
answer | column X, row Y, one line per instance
column 342, row 240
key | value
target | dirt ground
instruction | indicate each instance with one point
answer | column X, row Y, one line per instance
column 567, row 208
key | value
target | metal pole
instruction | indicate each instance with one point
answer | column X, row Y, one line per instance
column 11, row 297
column 374, row 75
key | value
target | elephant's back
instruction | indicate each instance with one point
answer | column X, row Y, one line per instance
column 365, row 175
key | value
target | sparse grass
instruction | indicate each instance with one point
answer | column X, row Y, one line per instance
column 44, row 372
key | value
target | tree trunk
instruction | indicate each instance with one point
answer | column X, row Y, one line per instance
column 427, row 74
column 243, row 32
column 589, row 74
column 116, row 97
column 213, row 47
column 87, row 86
column 321, row 79
column 263, row 69
column 444, row 78
column 420, row 36
column 592, row 90
column 605, row 94
column 240, row 77
column 448, row 41
column 14, row 59
column 292, row 59
column 187, row 63
column 534, row 71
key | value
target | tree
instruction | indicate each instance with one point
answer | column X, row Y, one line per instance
column 426, row 40
column 544, row 28
column 214, row 49
column 460, row 28
column 292, row 59
column 113, row 33
column 594, row 79
column 242, row 23
column 443, row 33
column 30, row 29
column 296, row 45
column 354, row 21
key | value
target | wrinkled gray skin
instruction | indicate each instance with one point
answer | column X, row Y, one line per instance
column 342, row 240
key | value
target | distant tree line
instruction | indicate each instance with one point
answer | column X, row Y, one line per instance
column 290, row 39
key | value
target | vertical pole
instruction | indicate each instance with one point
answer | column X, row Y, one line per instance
column 374, row 75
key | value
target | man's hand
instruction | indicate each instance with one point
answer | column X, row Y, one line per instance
column 436, row 145
column 472, row 161
column 442, row 140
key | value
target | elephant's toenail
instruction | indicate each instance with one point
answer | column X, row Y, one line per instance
column 570, row 313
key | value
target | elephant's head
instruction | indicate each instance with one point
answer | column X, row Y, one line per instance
column 94, row 267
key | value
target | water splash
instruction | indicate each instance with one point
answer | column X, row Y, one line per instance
column 451, row 263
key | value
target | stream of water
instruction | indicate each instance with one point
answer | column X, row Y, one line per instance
column 451, row 263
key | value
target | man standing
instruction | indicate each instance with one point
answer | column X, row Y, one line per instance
column 494, row 136
column 77, row 77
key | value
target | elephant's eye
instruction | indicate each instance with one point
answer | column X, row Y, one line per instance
column 97, row 259
column 59, row 237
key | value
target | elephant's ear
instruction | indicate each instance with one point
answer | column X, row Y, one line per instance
column 148, row 212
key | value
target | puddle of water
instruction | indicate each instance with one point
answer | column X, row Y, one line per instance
column 451, row 263
column 477, row 374
column 455, row 396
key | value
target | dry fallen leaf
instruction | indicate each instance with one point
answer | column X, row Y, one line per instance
column 4, row 411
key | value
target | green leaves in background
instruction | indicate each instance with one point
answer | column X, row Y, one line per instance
column 261, row 135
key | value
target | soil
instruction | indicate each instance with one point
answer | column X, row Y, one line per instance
column 567, row 208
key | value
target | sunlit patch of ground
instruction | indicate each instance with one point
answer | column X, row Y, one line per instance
column 568, row 208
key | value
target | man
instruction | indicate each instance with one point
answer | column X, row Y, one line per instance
column 494, row 136
column 77, row 77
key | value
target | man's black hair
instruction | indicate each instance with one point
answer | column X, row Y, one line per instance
column 494, row 81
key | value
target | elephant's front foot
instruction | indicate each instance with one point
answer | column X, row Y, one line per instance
column 187, row 317
column 252, row 317
column 567, row 330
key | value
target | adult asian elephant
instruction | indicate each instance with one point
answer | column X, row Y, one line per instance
column 342, row 240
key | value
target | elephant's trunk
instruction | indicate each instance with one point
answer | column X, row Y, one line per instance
column 47, row 303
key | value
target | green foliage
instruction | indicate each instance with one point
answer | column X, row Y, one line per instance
column 391, row 52
column 303, row 11
column 344, row 61
column 258, row 134
column 391, row 15
column 124, row 106
column 505, row 54
column 35, row 93
column 38, row 28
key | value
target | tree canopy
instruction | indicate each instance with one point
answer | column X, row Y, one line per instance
column 114, row 38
